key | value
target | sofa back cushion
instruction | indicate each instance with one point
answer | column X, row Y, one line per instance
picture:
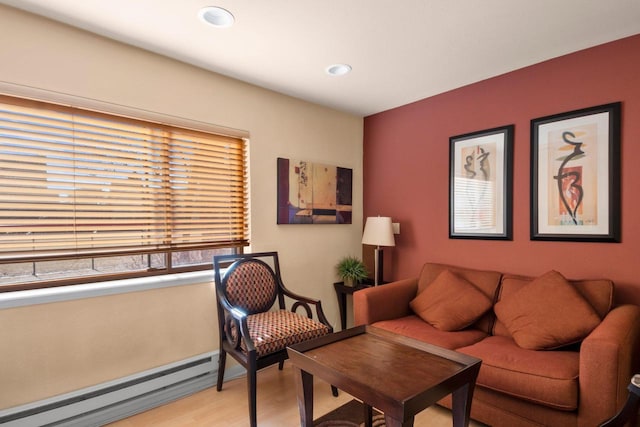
column 486, row 281
column 598, row 292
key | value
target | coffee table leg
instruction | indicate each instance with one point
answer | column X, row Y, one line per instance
column 462, row 405
column 304, row 389
column 368, row 415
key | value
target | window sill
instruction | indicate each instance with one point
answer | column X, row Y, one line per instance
column 91, row 290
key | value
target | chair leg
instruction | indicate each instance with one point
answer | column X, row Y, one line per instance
column 222, row 359
column 334, row 391
column 281, row 365
column 251, row 386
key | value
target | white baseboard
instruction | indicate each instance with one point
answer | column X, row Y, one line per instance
column 138, row 404
column 114, row 400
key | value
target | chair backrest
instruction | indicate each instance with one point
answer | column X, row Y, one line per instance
column 250, row 284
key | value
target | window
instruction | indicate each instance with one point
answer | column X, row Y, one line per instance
column 87, row 196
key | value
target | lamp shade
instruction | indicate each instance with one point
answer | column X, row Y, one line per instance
column 378, row 231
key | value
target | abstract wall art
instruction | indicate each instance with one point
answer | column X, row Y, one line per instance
column 575, row 175
column 480, row 184
column 313, row 193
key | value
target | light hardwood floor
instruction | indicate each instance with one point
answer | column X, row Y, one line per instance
column 277, row 406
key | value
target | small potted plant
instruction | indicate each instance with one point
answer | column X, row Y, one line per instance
column 351, row 270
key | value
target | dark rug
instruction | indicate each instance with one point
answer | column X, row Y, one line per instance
column 350, row 414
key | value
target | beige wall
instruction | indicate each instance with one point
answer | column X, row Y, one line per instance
column 54, row 348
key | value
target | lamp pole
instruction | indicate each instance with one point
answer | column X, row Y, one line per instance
column 378, row 266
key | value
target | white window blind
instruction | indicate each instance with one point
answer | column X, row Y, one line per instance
column 80, row 183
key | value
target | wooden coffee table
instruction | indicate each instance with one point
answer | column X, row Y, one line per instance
column 397, row 375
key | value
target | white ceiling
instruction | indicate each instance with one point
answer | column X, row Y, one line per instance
column 401, row 51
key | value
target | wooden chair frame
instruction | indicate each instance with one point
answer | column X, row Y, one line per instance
column 230, row 316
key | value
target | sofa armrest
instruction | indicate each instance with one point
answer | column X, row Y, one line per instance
column 384, row 302
column 608, row 360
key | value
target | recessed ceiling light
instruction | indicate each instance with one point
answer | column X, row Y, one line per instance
column 216, row 16
column 338, row 69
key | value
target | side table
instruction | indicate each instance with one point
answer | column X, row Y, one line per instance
column 342, row 291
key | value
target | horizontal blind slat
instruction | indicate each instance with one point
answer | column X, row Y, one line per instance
column 74, row 181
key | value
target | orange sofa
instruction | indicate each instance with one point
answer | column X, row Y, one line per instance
column 554, row 352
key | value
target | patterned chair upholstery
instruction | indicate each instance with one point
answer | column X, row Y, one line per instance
column 255, row 330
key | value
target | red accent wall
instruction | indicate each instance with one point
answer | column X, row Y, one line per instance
column 406, row 167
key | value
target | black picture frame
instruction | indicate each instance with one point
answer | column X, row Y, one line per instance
column 481, row 184
column 575, row 175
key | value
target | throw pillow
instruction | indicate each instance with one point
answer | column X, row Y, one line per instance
column 450, row 303
column 547, row 313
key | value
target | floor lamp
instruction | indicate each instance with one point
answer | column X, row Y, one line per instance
column 378, row 231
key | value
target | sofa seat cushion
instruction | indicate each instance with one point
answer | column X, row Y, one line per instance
column 547, row 378
column 414, row 327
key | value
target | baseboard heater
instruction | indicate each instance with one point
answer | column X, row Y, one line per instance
column 108, row 402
